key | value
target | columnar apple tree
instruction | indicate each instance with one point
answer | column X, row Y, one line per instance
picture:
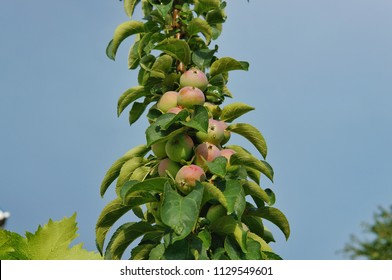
column 196, row 195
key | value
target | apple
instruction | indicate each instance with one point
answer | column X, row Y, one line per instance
column 168, row 165
column 206, row 151
column 174, row 110
column 187, row 177
column 167, row 101
column 215, row 133
column 159, row 149
column 179, row 148
column 194, row 78
column 188, row 97
column 227, row 153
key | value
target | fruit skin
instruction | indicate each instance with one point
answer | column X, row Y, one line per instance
column 227, row 154
column 194, row 78
column 226, row 134
column 179, row 148
column 159, row 149
column 207, row 151
column 215, row 133
column 188, row 97
column 168, row 100
column 174, row 110
column 187, row 177
column 168, row 165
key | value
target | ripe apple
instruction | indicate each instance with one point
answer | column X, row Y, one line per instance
column 168, row 165
column 174, row 110
column 227, row 153
column 187, row 177
column 168, row 100
column 215, row 133
column 206, row 151
column 194, row 78
column 190, row 96
column 179, row 148
column 159, row 149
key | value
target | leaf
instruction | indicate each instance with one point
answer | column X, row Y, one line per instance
column 179, row 250
column 271, row 195
column 124, row 236
column 136, row 111
column 133, row 56
column 162, row 8
column 252, row 134
column 254, row 189
column 113, row 211
column 202, row 57
column 255, row 224
column 235, row 197
column 275, row 216
column 114, row 170
column 199, row 119
column 251, row 161
column 142, row 251
column 212, row 192
column 127, row 169
column 129, row 6
column 128, row 97
column 177, row 48
column 231, row 249
column 159, row 131
column 218, row 166
column 123, row 31
column 203, row 6
column 232, row 111
column 153, row 185
column 52, row 242
column 181, row 213
column 12, row 246
column 226, row 64
column 163, row 64
column 197, row 25
column 157, row 252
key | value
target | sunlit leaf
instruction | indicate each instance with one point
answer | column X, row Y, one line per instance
column 129, row 6
column 275, row 216
column 234, row 110
column 176, row 48
column 226, row 64
column 252, row 134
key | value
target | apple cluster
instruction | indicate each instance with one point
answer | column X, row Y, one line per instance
column 184, row 157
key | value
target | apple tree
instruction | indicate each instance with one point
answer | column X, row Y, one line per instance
column 195, row 194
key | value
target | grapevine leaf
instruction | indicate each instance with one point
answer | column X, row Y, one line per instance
column 12, row 246
column 232, row 111
column 178, row 49
column 128, row 97
column 252, row 134
column 124, row 236
column 114, row 170
column 181, row 213
column 226, row 64
column 123, row 31
column 113, row 211
column 275, row 216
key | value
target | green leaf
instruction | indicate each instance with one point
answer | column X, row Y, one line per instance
column 136, row 111
column 181, row 213
column 235, row 197
column 159, row 131
column 157, row 252
column 275, row 216
column 129, row 6
column 255, row 224
column 254, row 250
column 124, row 236
column 163, row 64
column 271, row 195
column 162, row 7
column 128, row 97
column 114, row 170
column 12, row 246
column 142, row 251
column 252, row 134
column 232, row 111
column 255, row 190
column 232, row 250
column 177, row 48
column 123, row 31
column 154, row 185
column 52, row 242
column 218, row 166
column 204, row 6
column 199, row 119
column 113, row 211
column 251, row 161
column 127, row 169
column 133, row 56
column 226, row 64
column 179, row 250
column 197, row 25
column 212, row 192
column 202, row 57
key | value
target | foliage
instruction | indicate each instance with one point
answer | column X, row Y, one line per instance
column 379, row 247
column 50, row 242
column 213, row 218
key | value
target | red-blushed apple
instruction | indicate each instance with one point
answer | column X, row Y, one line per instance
column 168, row 100
column 188, row 97
column 227, row 153
column 187, row 177
column 206, row 151
column 194, row 78
column 215, row 133
column 179, row 148
column 159, row 149
column 174, row 110
column 168, row 166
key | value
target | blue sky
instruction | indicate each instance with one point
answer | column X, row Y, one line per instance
column 320, row 79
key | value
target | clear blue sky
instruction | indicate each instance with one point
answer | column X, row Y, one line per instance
column 320, row 78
